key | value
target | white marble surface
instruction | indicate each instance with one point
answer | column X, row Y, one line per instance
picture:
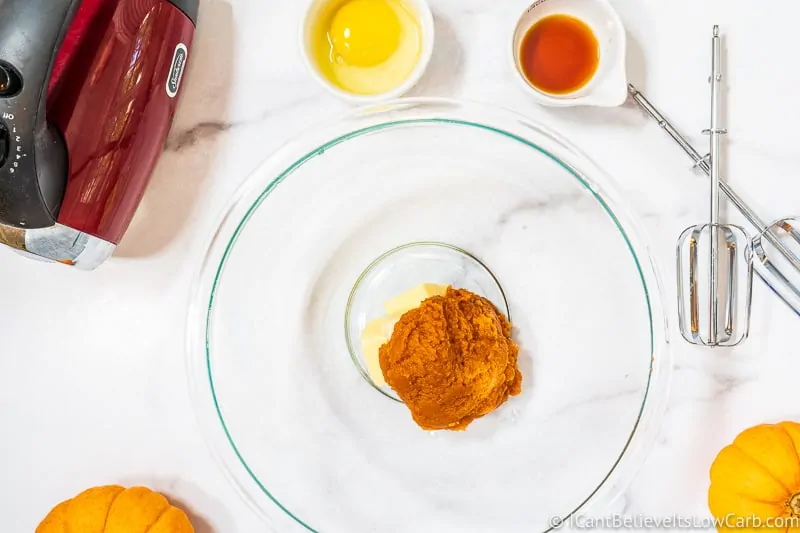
column 92, row 379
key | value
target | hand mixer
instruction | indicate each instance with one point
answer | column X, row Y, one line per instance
column 88, row 91
column 728, row 275
column 776, row 247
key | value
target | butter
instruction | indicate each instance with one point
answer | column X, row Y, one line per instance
column 370, row 349
column 380, row 328
column 412, row 298
column 377, row 332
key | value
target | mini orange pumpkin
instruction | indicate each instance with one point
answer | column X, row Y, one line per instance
column 755, row 482
column 114, row 509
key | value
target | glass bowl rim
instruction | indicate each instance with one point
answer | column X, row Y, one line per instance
column 281, row 164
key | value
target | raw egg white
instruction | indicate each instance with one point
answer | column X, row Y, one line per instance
column 367, row 46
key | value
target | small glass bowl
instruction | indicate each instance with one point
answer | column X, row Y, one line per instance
column 404, row 268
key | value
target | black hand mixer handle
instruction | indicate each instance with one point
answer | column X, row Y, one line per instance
column 33, row 159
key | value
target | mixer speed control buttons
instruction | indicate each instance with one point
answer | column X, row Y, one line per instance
column 5, row 143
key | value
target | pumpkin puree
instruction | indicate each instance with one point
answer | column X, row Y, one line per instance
column 452, row 360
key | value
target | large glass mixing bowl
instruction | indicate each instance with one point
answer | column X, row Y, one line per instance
column 500, row 202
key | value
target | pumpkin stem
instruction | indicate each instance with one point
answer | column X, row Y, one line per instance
column 794, row 504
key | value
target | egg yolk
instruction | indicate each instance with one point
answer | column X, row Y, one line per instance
column 365, row 33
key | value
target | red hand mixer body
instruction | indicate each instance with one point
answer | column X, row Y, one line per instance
column 103, row 85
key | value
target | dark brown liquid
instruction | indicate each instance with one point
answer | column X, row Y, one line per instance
column 559, row 54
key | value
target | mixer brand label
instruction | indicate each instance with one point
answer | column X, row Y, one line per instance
column 176, row 70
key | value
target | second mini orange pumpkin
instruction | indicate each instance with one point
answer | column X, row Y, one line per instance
column 755, row 482
column 114, row 509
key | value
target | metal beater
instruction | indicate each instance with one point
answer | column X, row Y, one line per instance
column 729, row 275
column 776, row 246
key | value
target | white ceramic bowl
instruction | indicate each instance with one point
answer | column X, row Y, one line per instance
column 422, row 13
column 608, row 87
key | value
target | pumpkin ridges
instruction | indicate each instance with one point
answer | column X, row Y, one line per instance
column 729, row 506
column 110, row 505
column 174, row 520
column 758, row 475
column 135, row 510
column 114, row 509
column 722, row 502
column 765, row 470
column 729, row 461
column 792, row 429
column 85, row 510
column 151, row 526
column 781, row 463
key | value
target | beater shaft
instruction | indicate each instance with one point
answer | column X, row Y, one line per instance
column 715, row 134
